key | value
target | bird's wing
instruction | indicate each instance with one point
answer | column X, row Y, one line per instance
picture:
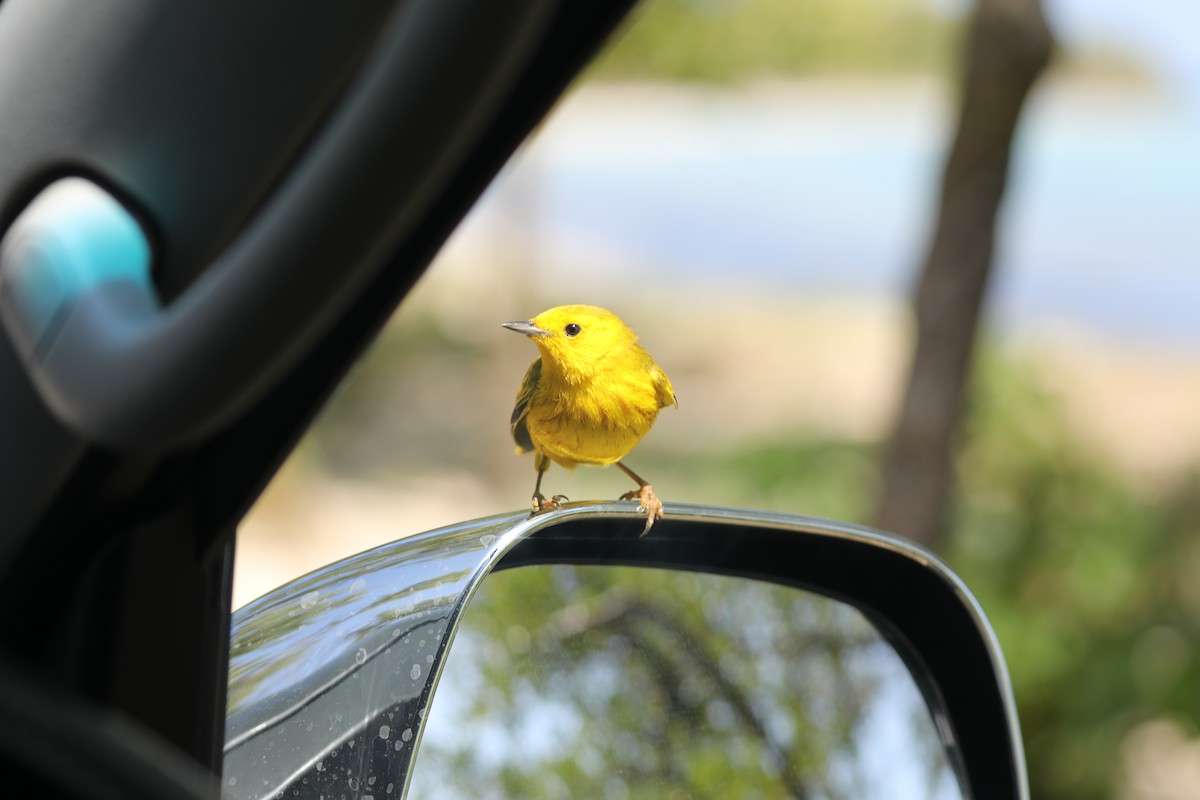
column 662, row 388
column 520, row 431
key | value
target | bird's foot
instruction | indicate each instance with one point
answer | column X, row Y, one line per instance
column 649, row 504
column 541, row 503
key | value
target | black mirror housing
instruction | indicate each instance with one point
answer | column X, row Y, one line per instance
column 318, row 664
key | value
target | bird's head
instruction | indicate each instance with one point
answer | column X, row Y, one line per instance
column 577, row 339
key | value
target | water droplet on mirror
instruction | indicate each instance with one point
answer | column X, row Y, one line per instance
column 358, row 584
column 415, row 672
column 487, row 540
column 361, row 656
column 384, row 731
column 309, row 599
column 407, row 735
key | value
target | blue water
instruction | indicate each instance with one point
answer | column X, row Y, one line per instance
column 832, row 193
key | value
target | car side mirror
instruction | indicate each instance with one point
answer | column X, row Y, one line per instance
column 732, row 651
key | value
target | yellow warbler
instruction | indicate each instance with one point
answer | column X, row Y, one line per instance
column 589, row 399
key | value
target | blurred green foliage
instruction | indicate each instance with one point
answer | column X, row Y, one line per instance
column 725, row 40
column 1091, row 581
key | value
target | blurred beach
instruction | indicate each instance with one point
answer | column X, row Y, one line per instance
column 762, row 241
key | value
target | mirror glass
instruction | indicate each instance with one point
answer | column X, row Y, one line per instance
column 615, row 682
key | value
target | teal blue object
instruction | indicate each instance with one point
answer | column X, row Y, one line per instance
column 73, row 238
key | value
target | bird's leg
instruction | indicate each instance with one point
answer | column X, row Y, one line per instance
column 649, row 502
column 539, row 501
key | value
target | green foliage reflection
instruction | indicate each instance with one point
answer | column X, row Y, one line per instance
column 614, row 682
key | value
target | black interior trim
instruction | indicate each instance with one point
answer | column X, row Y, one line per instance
column 87, row 520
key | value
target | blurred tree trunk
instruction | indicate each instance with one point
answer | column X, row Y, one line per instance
column 1007, row 46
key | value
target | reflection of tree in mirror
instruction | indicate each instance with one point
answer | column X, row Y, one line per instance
column 614, row 682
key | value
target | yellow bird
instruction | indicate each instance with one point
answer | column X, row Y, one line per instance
column 589, row 399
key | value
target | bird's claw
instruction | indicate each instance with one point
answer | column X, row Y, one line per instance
column 540, row 503
column 648, row 504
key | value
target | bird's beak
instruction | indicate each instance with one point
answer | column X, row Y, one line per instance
column 527, row 328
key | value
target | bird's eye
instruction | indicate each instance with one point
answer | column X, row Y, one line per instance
column 571, row 329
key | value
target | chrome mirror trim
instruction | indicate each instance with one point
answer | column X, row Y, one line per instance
column 352, row 624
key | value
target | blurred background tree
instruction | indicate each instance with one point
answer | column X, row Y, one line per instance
column 1006, row 47
column 748, row 183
